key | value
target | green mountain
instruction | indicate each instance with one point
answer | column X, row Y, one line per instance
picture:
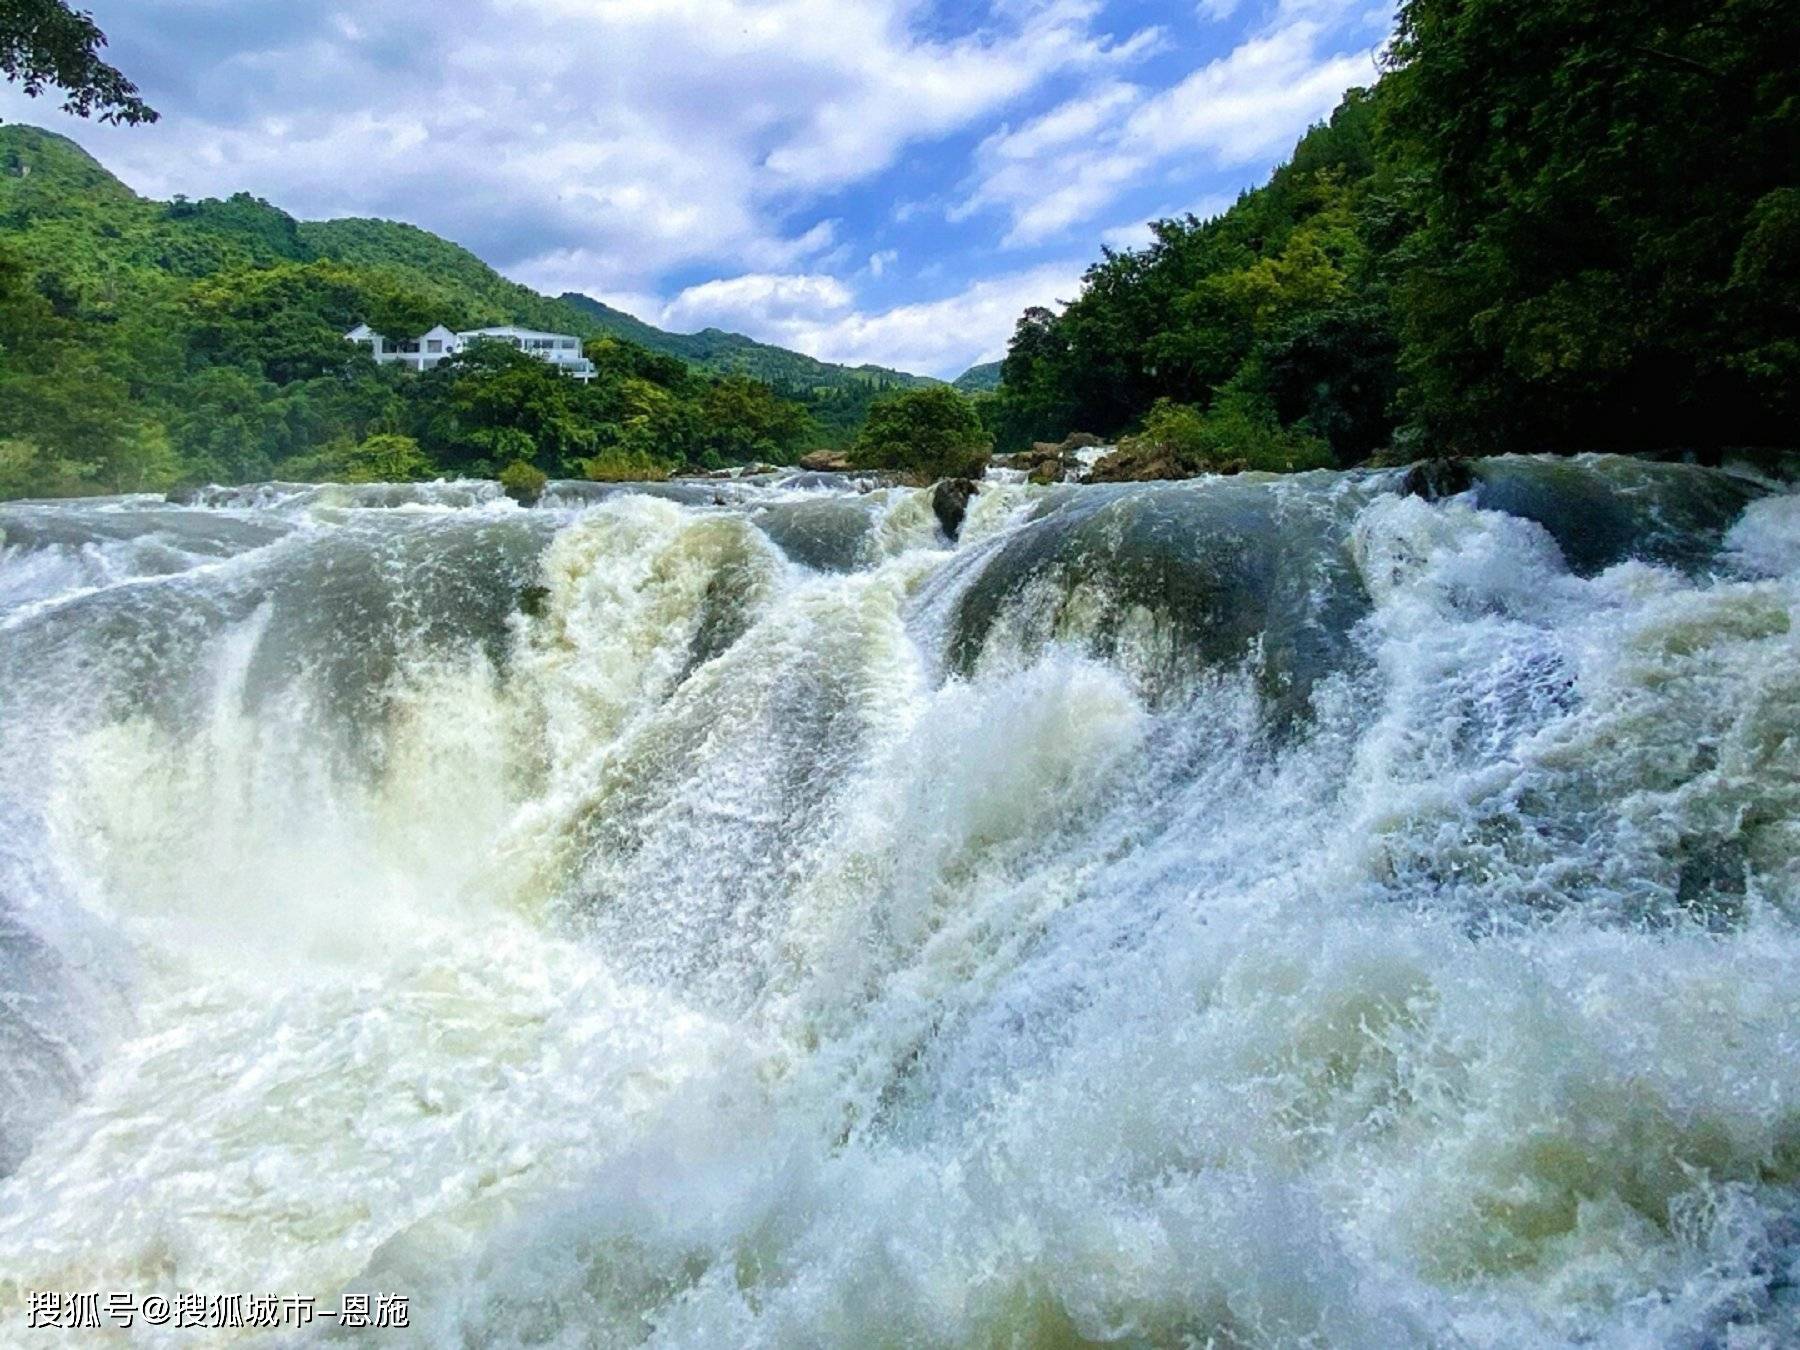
column 144, row 343
column 61, row 209
column 435, row 267
column 64, row 215
column 982, row 379
column 723, row 353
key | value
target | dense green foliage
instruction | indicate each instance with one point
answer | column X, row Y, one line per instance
column 926, row 433
column 1237, row 433
column 143, row 343
column 45, row 44
column 1551, row 225
column 1607, row 206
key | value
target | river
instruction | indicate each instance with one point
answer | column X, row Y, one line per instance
column 1246, row 912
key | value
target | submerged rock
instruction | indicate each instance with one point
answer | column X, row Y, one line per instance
column 1435, row 479
column 533, row 600
column 950, row 503
column 1177, row 580
column 1603, row 509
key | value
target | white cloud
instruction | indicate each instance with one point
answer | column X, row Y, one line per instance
column 627, row 137
column 759, row 300
column 817, row 315
column 1063, row 125
column 604, row 145
column 1253, row 103
column 1139, row 235
column 1135, row 236
column 1066, row 166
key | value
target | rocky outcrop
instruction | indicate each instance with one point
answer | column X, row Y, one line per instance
column 1052, row 461
column 524, row 483
column 825, row 461
column 950, row 503
column 754, row 469
column 1142, row 461
column 1434, row 479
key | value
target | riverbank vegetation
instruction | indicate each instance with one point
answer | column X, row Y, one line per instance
column 144, row 343
column 1546, row 227
column 1549, row 226
column 928, row 433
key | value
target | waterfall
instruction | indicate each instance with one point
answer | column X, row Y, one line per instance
column 1251, row 912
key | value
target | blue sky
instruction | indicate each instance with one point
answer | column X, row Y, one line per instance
column 865, row 180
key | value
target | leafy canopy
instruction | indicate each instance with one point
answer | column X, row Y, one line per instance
column 143, row 343
column 45, row 44
column 1552, row 225
column 926, row 433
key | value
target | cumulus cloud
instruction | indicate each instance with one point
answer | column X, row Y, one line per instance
column 633, row 136
column 1138, row 234
column 817, row 315
column 622, row 147
column 758, row 299
column 1244, row 107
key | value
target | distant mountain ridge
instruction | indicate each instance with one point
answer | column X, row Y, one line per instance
column 61, row 208
column 715, row 350
column 981, row 379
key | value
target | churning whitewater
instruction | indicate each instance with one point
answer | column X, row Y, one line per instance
column 1247, row 912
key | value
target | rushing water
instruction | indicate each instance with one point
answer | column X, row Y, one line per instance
column 1244, row 912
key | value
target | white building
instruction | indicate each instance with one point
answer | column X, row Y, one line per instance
column 562, row 350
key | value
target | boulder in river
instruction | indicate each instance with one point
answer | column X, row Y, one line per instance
column 825, row 461
column 1052, row 461
column 1434, row 479
column 1141, row 460
column 950, row 502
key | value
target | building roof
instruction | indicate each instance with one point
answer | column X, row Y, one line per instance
column 511, row 330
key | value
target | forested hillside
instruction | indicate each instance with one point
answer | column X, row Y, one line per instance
column 1550, row 226
column 142, row 343
column 981, row 379
column 722, row 353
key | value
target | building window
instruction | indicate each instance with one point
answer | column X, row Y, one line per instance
column 435, row 345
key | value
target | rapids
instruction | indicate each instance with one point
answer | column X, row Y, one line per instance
column 1247, row 912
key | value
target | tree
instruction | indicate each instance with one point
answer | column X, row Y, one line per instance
column 491, row 404
column 385, row 458
column 1281, row 300
column 1590, row 184
column 45, row 44
column 1237, row 433
column 742, row 420
column 926, row 433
